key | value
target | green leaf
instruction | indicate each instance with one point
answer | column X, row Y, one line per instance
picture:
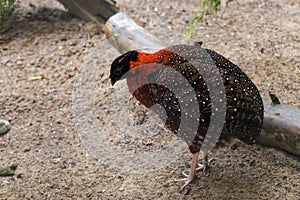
column 5, row 8
column 205, row 7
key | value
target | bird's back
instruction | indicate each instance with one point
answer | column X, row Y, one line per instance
column 168, row 87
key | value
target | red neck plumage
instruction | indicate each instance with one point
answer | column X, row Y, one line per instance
column 147, row 63
column 160, row 57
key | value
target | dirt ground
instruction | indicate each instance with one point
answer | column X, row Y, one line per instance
column 52, row 63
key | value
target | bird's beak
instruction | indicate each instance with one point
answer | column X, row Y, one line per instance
column 112, row 82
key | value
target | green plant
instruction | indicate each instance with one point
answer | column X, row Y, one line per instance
column 205, row 7
column 5, row 7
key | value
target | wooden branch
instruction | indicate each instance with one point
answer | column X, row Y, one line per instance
column 281, row 126
column 124, row 34
column 92, row 10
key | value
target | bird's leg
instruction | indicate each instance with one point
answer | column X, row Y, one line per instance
column 202, row 167
column 189, row 178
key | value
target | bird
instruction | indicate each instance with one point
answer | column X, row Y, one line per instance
column 175, row 76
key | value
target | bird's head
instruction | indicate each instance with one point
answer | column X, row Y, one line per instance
column 121, row 66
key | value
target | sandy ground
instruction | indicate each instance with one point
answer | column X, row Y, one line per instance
column 52, row 63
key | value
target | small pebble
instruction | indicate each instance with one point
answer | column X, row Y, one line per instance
column 19, row 62
column 234, row 146
column 26, row 149
column 4, row 60
column 123, row 141
column 252, row 163
column 57, row 160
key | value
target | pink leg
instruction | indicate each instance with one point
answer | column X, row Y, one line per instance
column 190, row 177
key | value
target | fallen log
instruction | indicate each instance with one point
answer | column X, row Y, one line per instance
column 281, row 127
column 97, row 11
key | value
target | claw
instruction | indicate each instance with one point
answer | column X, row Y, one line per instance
column 187, row 181
column 205, row 164
column 202, row 167
column 185, row 174
column 190, row 177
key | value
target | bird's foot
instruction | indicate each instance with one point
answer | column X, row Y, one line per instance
column 186, row 181
column 190, row 177
column 201, row 167
column 205, row 164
